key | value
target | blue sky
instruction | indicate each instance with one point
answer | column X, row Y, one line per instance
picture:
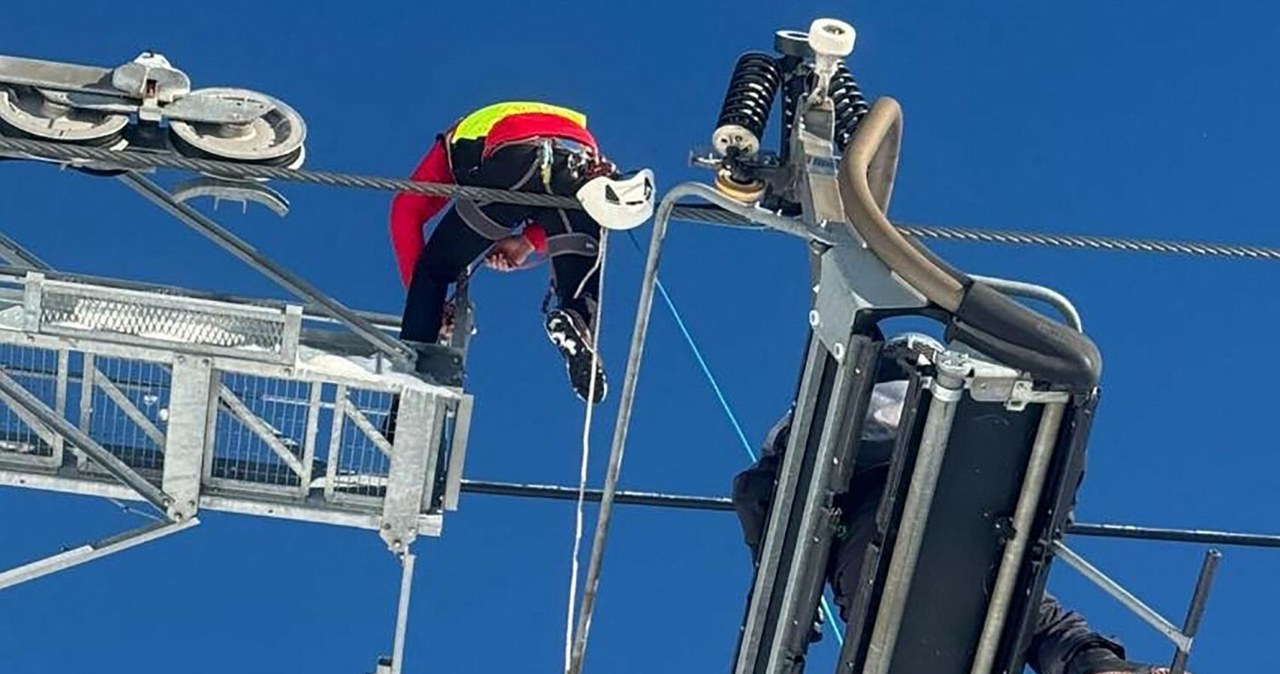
column 1094, row 117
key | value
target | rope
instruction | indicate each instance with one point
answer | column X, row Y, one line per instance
column 586, row 451
column 697, row 354
column 724, row 405
column 138, row 160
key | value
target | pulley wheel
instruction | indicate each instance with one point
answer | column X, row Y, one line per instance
column 43, row 116
column 275, row 139
column 794, row 43
column 746, row 193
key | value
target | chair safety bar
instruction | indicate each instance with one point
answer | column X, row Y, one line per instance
column 982, row 316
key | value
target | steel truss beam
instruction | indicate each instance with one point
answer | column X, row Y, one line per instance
column 413, row 463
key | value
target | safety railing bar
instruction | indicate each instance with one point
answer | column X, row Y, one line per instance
column 1195, row 611
column 311, row 311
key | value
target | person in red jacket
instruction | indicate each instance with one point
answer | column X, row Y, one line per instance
column 520, row 146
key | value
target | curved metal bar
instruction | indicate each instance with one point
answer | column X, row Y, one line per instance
column 221, row 189
column 1036, row 292
column 866, row 183
column 980, row 315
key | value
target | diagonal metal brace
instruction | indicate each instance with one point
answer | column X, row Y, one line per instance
column 393, row 348
column 1181, row 638
column 119, row 469
column 15, row 254
column 92, row 551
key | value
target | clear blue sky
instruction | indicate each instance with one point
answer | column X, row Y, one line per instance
column 1093, row 117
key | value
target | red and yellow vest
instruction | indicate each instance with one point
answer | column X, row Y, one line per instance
column 497, row 124
column 515, row 121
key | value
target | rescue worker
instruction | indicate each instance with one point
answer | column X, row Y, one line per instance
column 1063, row 642
column 520, row 146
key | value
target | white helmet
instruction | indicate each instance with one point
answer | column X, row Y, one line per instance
column 622, row 203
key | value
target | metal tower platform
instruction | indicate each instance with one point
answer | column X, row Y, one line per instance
column 191, row 400
column 187, row 403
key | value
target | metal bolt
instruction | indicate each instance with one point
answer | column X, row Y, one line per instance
column 814, row 318
column 838, row 351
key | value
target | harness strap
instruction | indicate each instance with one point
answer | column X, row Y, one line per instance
column 573, row 243
column 480, row 222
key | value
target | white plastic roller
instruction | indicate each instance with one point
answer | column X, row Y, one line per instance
column 832, row 38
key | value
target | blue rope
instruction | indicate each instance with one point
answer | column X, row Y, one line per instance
column 724, row 404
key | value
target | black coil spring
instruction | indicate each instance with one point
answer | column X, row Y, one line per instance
column 850, row 105
column 753, row 86
column 791, row 92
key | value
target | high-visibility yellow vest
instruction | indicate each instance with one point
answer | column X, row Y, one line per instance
column 478, row 123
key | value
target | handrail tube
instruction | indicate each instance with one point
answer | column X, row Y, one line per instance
column 1036, row 292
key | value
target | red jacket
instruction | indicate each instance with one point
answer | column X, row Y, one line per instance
column 501, row 124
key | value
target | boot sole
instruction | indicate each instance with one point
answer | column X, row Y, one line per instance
column 577, row 361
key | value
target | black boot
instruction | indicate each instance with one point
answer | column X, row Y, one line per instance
column 438, row 364
column 570, row 334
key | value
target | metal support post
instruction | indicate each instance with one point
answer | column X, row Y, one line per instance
column 770, row 563
column 402, row 612
column 947, row 390
column 192, row 403
column 394, row 349
column 413, row 461
column 1195, row 612
column 1023, row 515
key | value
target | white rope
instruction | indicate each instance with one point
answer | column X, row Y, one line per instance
column 586, row 448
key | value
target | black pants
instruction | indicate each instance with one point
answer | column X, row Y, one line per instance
column 455, row 244
column 1059, row 632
